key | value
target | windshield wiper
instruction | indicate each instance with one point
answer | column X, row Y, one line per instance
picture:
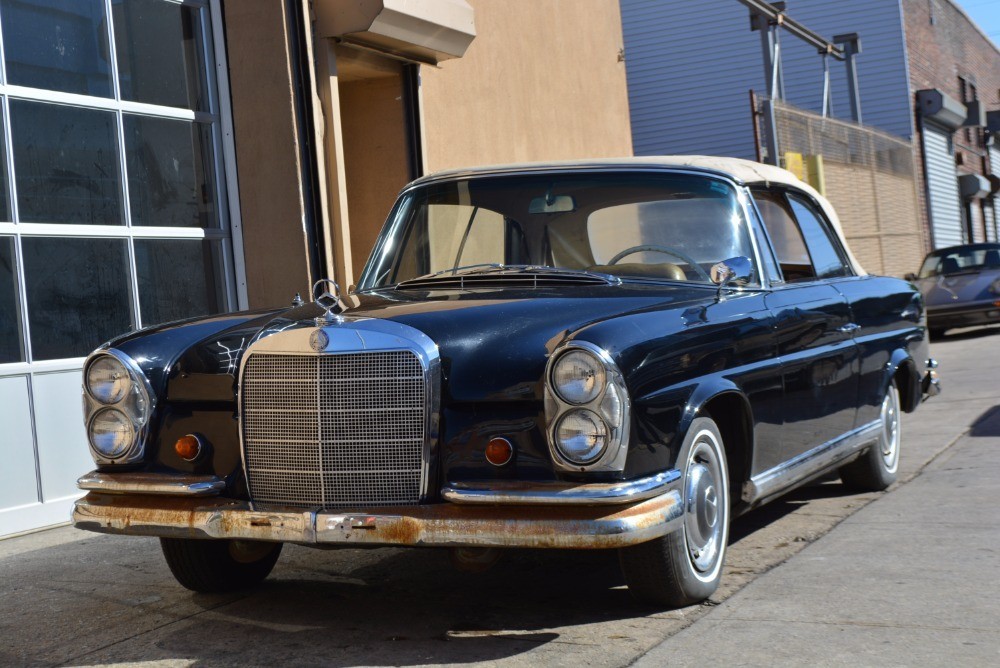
column 512, row 270
column 487, row 267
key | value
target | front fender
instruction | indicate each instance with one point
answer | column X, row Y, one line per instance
column 661, row 420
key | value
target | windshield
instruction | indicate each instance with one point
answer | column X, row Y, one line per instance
column 632, row 225
column 957, row 260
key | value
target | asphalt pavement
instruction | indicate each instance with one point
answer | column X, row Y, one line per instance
column 821, row 576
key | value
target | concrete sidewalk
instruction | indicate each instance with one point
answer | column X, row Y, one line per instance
column 912, row 579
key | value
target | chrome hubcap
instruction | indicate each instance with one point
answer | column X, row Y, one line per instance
column 889, row 440
column 704, row 505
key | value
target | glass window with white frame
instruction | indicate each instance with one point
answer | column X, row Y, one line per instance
column 113, row 206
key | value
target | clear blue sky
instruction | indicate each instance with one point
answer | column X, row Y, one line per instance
column 986, row 13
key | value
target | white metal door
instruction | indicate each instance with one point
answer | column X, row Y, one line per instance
column 944, row 203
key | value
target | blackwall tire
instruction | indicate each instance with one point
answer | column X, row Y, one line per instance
column 878, row 468
column 210, row 566
column 684, row 567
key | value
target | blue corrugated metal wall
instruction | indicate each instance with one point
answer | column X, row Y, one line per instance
column 691, row 63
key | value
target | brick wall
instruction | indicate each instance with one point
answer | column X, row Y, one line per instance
column 943, row 44
column 878, row 211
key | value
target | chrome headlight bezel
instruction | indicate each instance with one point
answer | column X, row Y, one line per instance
column 610, row 404
column 136, row 404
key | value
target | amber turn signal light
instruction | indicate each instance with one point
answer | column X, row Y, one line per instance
column 188, row 447
column 499, row 451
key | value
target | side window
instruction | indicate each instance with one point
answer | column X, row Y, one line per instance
column 789, row 246
column 827, row 260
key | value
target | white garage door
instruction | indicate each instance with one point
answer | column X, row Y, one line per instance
column 942, row 187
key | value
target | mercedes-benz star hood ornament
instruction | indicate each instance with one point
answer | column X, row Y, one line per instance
column 326, row 295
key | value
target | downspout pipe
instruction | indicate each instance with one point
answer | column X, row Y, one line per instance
column 297, row 25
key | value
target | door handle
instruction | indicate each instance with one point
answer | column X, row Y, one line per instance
column 850, row 328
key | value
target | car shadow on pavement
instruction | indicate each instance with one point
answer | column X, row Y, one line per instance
column 987, row 424
column 404, row 607
column 391, row 606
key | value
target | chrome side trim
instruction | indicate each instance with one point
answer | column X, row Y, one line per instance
column 769, row 483
column 502, row 492
column 152, row 483
column 442, row 524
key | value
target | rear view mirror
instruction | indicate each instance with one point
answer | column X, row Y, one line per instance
column 552, row 204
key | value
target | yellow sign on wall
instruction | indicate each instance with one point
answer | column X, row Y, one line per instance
column 793, row 163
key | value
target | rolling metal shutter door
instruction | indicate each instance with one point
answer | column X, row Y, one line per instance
column 993, row 212
column 942, row 188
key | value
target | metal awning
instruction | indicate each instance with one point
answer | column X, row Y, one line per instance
column 941, row 108
column 426, row 31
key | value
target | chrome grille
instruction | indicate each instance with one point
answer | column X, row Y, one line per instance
column 334, row 431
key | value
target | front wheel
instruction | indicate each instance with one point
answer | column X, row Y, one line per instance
column 685, row 566
column 877, row 468
column 209, row 566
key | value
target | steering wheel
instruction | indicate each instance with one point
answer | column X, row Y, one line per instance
column 667, row 251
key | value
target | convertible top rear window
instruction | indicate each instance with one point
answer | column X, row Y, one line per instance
column 632, row 225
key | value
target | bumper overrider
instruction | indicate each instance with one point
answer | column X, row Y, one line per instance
column 494, row 514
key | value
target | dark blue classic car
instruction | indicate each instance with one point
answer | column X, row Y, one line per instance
column 961, row 286
column 621, row 354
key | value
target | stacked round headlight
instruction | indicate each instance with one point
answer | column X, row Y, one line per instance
column 586, row 416
column 117, row 407
column 581, row 436
column 111, row 433
column 108, row 380
column 578, row 377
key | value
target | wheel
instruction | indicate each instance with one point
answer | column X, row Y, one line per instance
column 219, row 565
column 876, row 469
column 935, row 333
column 685, row 566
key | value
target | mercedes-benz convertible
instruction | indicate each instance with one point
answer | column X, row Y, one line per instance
column 606, row 355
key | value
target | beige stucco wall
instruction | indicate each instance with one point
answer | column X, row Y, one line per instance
column 267, row 156
column 373, row 127
column 541, row 81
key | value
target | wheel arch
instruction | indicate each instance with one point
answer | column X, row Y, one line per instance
column 903, row 370
column 730, row 409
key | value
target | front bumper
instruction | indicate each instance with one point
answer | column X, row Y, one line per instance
column 571, row 522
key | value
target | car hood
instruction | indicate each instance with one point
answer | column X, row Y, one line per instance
column 493, row 344
column 958, row 288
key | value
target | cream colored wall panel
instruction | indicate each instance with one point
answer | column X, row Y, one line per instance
column 541, row 81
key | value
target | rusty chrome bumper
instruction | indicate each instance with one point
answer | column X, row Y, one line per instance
column 442, row 524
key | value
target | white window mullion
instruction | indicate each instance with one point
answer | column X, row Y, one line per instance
column 105, row 103
column 227, row 158
column 218, row 170
column 123, row 166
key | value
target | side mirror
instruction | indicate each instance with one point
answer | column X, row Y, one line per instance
column 734, row 271
column 910, row 276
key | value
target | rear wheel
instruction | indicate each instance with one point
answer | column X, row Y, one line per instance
column 219, row 565
column 685, row 566
column 876, row 469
